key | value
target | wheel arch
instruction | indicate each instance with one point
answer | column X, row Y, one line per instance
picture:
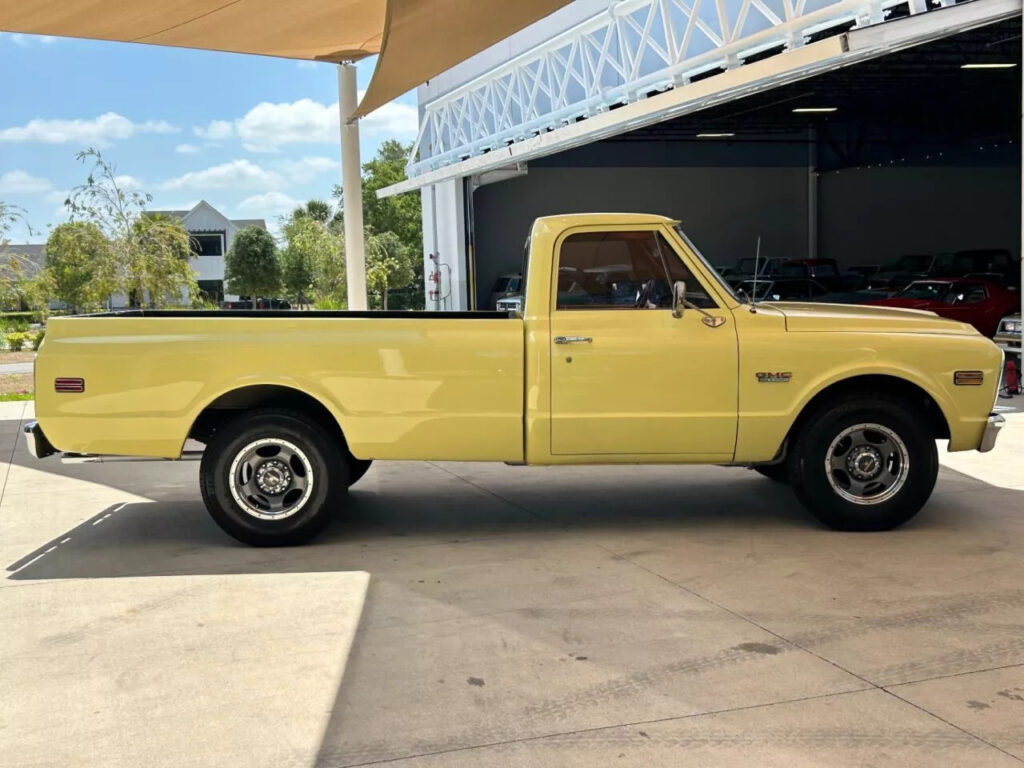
column 896, row 386
column 231, row 402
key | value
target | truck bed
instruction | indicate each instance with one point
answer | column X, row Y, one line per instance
column 402, row 385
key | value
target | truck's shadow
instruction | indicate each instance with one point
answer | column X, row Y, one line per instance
column 175, row 535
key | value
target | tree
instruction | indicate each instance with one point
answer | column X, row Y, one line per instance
column 400, row 214
column 252, row 266
column 157, row 264
column 305, row 240
column 18, row 285
column 152, row 253
column 317, row 210
column 389, row 264
column 80, row 267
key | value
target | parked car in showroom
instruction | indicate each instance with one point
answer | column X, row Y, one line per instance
column 1008, row 335
column 505, row 286
column 783, row 289
column 744, row 269
column 981, row 303
column 244, row 302
column 956, row 264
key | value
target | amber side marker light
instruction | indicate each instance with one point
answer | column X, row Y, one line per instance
column 968, row 378
column 69, row 385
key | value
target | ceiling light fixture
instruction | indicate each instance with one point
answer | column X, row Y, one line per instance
column 815, row 109
column 991, row 65
column 715, row 135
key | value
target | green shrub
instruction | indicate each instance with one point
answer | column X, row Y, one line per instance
column 16, row 341
column 37, row 338
column 14, row 323
column 329, row 302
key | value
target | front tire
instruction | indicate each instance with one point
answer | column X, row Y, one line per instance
column 273, row 478
column 865, row 463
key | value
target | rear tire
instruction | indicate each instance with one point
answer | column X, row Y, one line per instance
column 273, row 477
column 864, row 463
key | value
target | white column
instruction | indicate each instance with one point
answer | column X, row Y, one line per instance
column 444, row 231
column 352, row 189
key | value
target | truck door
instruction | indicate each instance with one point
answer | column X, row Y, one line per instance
column 627, row 377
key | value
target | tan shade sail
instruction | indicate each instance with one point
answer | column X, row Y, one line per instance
column 417, row 39
column 424, row 38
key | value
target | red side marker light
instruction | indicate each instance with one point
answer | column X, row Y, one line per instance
column 69, row 385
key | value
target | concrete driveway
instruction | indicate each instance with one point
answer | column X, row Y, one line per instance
column 469, row 615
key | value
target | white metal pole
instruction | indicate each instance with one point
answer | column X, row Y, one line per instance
column 352, row 188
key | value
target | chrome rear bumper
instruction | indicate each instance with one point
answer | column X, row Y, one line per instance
column 38, row 445
column 988, row 440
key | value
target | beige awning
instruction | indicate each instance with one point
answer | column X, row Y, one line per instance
column 417, row 39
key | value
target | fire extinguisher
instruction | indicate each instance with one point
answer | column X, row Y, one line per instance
column 1011, row 379
column 436, row 293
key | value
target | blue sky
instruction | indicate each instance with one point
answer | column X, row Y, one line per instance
column 249, row 134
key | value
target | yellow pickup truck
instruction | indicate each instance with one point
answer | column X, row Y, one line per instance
column 628, row 349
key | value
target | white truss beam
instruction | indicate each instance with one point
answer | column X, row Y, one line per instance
column 635, row 49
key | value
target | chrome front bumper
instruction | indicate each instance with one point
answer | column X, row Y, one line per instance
column 38, row 445
column 988, row 440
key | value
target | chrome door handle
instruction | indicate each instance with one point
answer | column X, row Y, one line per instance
column 573, row 339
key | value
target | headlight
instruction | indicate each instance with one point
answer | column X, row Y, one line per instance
column 1013, row 326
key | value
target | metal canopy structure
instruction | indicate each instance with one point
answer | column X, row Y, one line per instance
column 648, row 61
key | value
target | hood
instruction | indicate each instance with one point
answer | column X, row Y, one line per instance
column 802, row 317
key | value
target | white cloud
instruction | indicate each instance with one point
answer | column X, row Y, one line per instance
column 394, row 120
column 309, row 64
column 266, row 127
column 215, row 131
column 22, row 183
column 237, row 174
column 267, row 205
column 57, row 196
column 186, row 149
column 306, row 169
column 99, row 131
column 124, row 181
column 24, row 41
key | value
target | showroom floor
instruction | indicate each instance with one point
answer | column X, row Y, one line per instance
column 475, row 615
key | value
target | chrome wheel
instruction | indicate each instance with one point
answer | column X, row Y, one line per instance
column 867, row 464
column 271, row 479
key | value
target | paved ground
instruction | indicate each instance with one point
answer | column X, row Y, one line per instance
column 479, row 615
column 15, row 368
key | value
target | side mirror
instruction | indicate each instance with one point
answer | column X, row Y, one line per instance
column 678, row 298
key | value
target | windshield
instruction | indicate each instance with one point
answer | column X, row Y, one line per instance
column 722, row 285
column 927, row 291
column 747, row 288
column 911, row 263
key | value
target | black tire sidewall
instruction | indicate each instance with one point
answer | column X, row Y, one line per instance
column 811, row 483
column 330, row 478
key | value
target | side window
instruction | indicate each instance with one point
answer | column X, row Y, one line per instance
column 974, row 294
column 622, row 270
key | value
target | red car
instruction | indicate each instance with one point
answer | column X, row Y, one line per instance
column 981, row 303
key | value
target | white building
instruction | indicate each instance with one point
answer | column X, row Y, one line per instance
column 212, row 234
column 858, row 130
